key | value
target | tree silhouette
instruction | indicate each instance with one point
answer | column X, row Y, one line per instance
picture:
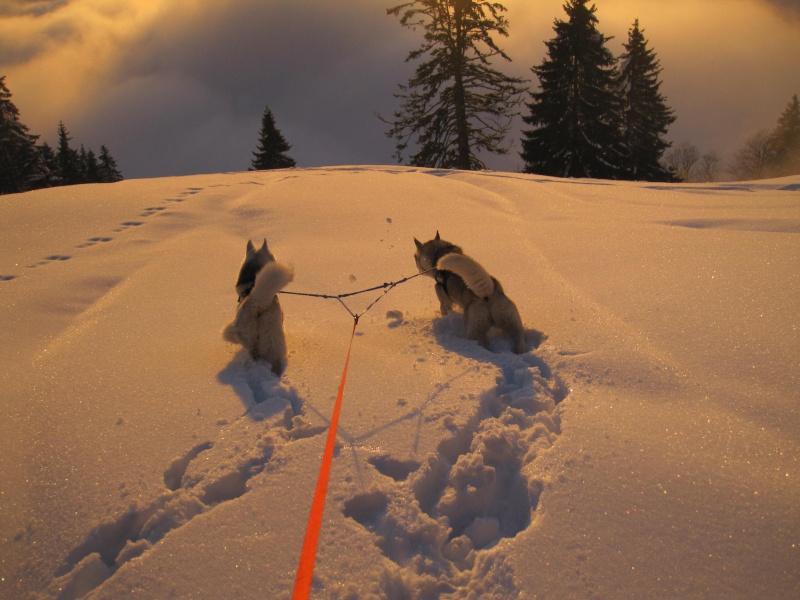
column 456, row 105
column 786, row 140
column 69, row 167
column 21, row 165
column 709, row 167
column 756, row 158
column 272, row 147
column 107, row 171
column 575, row 118
column 681, row 160
column 645, row 114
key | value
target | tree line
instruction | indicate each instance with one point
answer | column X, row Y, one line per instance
column 27, row 165
column 594, row 115
column 767, row 153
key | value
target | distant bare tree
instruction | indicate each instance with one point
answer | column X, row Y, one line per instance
column 755, row 159
column 682, row 159
column 709, row 168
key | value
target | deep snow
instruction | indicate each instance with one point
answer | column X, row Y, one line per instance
column 647, row 449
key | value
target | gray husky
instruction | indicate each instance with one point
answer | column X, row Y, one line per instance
column 258, row 325
column 460, row 280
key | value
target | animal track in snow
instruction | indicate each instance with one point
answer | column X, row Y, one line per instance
column 152, row 210
column 437, row 521
column 399, row 470
column 95, row 240
column 207, row 475
column 174, row 474
column 127, row 225
column 149, row 211
column 49, row 259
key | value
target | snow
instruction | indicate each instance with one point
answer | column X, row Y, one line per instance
column 647, row 449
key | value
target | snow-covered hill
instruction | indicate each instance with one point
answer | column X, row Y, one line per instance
column 647, row 449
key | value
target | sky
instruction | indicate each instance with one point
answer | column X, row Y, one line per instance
column 177, row 87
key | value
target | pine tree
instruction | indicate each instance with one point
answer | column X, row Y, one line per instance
column 83, row 166
column 69, row 168
column 786, row 140
column 50, row 166
column 107, row 171
column 21, row 165
column 272, row 147
column 456, row 105
column 645, row 114
column 576, row 115
column 91, row 168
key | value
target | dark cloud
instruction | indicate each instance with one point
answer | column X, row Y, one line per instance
column 37, row 8
column 324, row 70
column 19, row 50
column 790, row 8
column 184, row 93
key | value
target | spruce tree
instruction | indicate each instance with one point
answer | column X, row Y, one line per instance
column 21, row 165
column 645, row 114
column 91, row 168
column 786, row 140
column 575, row 117
column 107, row 171
column 456, row 105
column 272, row 147
column 69, row 168
column 50, row 166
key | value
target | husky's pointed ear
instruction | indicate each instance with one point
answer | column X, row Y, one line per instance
column 250, row 247
column 264, row 245
column 437, row 238
column 418, row 243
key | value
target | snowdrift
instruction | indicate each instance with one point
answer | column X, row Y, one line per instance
column 648, row 448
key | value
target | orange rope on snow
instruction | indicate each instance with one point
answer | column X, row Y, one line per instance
column 305, row 570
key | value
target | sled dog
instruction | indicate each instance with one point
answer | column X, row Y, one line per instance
column 258, row 325
column 460, row 280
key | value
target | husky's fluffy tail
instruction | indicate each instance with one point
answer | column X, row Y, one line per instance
column 270, row 280
column 474, row 275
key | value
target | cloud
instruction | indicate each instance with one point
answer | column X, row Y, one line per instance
column 23, row 38
column 179, row 86
column 37, row 8
column 790, row 8
column 323, row 68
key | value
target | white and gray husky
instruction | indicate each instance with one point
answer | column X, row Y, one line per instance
column 258, row 325
column 460, row 280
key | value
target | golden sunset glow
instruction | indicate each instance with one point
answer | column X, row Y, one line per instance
column 729, row 67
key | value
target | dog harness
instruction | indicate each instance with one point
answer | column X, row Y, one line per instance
column 442, row 277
